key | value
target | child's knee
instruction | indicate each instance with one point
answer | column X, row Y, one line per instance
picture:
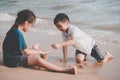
column 79, row 58
column 44, row 56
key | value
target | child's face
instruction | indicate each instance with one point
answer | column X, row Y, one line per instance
column 62, row 26
column 27, row 26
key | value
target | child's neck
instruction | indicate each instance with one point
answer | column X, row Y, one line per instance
column 20, row 28
column 67, row 28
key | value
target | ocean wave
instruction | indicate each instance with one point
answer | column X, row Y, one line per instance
column 6, row 17
column 39, row 20
column 109, row 27
column 10, row 17
column 49, row 32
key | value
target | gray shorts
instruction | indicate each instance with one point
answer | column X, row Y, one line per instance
column 23, row 61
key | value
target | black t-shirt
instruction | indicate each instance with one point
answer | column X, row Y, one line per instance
column 13, row 46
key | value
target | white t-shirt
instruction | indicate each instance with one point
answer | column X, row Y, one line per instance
column 84, row 42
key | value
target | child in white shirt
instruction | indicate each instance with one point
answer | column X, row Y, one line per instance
column 83, row 43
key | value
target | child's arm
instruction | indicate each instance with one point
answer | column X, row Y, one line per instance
column 64, row 48
column 31, row 52
column 66, row 43
column 35, row 49
column 64, row 53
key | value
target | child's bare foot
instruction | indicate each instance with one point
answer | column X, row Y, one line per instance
column 71, row 70
column 81, row 65
column 74, row 70
column 36, row 47
column 44, row 52
column 36, row 67
column 61, row 60
column 107, row 57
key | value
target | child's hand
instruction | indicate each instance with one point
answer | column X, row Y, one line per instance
column 36, row 47
column 55, row 46
column 62, row 60
column 44, row 52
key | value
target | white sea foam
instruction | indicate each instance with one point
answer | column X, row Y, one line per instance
column 49, row 32
column 41, row 21
column 6, row 17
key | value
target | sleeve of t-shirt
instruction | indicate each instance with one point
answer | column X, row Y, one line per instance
column 74, row 33
column 22, row 43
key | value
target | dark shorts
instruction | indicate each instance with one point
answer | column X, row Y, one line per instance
column 79, row 52
column 94, row 53
column 23, row 61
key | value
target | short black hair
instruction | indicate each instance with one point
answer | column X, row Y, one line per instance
column 61, row 17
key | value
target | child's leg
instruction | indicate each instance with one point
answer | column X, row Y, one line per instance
column 79, row 56
column 107, row 57
column 44, row 56
column 98, row 56
column 36, row 60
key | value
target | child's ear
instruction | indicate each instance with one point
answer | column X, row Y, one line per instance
column 26, row 23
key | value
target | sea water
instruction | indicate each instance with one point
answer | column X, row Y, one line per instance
column 98, row 18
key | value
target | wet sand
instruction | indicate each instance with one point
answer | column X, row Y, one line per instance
column 91, row 70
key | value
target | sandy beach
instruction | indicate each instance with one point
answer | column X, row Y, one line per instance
column 91, row 70
column 100, row 19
